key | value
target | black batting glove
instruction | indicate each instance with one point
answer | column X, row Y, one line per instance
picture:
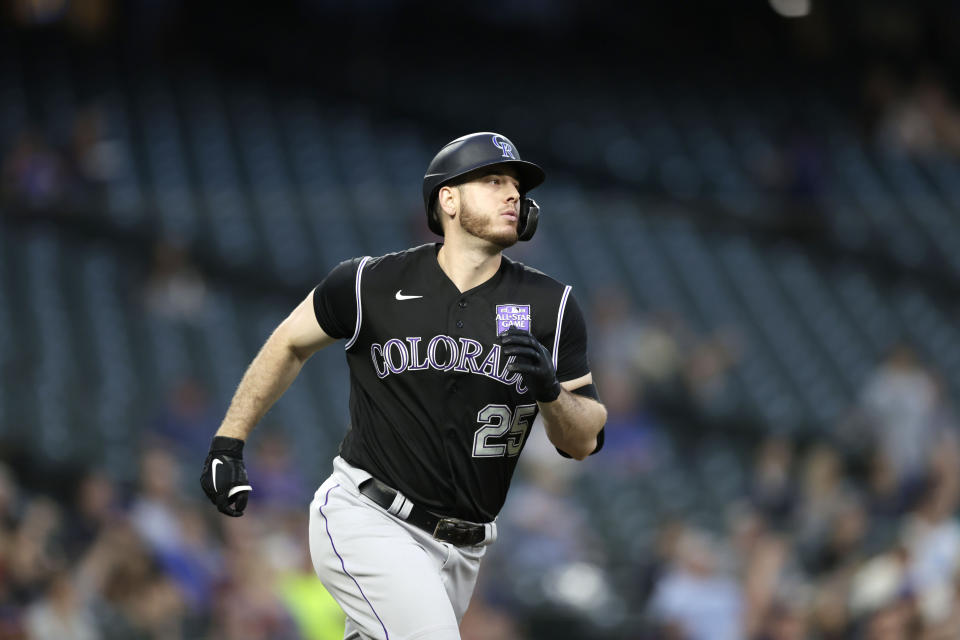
column 533, row 361
column 224, row 478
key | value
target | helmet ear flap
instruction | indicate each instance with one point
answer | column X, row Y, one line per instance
column 528, row 219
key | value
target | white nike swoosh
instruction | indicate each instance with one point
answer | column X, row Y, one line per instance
column 213, row 472
column 400, row 296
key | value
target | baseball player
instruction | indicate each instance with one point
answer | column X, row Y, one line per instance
column 453, row 350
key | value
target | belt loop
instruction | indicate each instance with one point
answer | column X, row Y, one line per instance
column 490, row 532
column 400, row 506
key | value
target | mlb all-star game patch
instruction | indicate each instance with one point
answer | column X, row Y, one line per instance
column 513, row 315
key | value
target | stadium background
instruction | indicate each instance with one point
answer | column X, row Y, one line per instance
column 758, row 205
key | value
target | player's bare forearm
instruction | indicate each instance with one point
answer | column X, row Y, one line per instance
column 266, row 379
column 572, row 423
column 273, row 370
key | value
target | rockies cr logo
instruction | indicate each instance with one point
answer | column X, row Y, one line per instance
column 504, row 145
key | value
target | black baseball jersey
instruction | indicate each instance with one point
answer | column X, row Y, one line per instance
column 434, row 411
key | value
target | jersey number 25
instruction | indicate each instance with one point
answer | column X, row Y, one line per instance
column 497, row 421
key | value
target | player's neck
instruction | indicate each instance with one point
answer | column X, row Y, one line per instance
column 468, row 267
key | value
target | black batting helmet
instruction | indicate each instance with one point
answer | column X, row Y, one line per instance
column 476, row 151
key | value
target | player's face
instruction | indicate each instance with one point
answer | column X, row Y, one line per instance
column 490, row 206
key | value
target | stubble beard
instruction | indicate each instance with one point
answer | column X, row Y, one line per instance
column 480, row 226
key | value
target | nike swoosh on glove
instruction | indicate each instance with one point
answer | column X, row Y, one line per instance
column 224, row 477
column 533, row 361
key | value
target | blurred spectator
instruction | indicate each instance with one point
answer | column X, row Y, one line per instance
column 695, row 598
column 762, row 571
column 137, row 599
column 483, row 622
column 94, row 159
column 248, row 604
column 187, row 419
column 842, row 546
column 155, row 511
column 195, row 564
column 36, row 553
column 661, row 557
column 175, row 289
column 32, row 174
column 899, row 409
column 893, row 622
column 177, row 536
column 877, row 585
column 784, row 621
column 631, row 438
column 280, row 481
column 61, row 613
column 545, row 525
column 887, row 499
column 619, row 333
column 829, row 611
column 659, row 351
column 920, row 120
column 824, row 501
column 706, row 371
column 772, row 489
column 946, row 626
column 95, row 507
column 931, row 538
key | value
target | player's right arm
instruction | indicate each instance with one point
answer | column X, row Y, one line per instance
column 330, row 312
column 274, row 368
column 224, row 476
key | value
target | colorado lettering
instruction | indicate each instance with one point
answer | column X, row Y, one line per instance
column 443, row 353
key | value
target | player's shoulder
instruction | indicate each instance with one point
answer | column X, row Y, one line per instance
column 401, row 258
column 530, row 276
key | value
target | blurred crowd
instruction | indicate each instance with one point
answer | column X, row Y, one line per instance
column 44, row 169
column 153, row 560
column 851, row 536
column 848, row 536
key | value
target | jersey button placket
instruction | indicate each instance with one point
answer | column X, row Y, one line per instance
column 456, row 316
column 456, row 319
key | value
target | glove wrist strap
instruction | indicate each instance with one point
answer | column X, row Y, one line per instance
column 551, row 393
column 224, row 444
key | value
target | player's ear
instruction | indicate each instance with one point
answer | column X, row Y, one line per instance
column 448, row 201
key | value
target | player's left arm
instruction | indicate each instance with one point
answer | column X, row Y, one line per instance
column 561, row 383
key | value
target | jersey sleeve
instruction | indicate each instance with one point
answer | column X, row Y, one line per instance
column 571, row 357
column 335, row 300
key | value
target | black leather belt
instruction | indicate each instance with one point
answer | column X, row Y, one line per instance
column 453, row 530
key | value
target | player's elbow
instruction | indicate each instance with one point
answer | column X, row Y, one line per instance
column 581, row 448
column 582, row 453
column 281, row 343
column 588, row 445
column 286, row 338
